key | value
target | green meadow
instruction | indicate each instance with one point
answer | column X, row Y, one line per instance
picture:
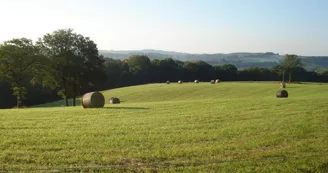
column 226, row 127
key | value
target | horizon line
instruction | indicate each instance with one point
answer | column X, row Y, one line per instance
column 138, row 50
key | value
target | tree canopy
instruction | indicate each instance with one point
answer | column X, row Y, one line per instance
column 75, row 60
column 290, row 63
column 20, row 60
column 66, row 64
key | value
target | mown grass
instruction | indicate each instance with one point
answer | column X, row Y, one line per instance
column 226, row 127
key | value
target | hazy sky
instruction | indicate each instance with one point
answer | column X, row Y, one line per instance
column 194, row 26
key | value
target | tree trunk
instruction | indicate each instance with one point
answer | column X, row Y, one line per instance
column 74, row 93
column 65, row 91
column 66, row 97
column 19, row 97
column 74, row 100
column 19, row 102
column 283, row 76
column 290, row 77
column 66, row 101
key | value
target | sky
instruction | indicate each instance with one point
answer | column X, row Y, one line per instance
column 193, row 26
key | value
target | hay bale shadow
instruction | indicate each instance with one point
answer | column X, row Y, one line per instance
column 129, row 108
column 293, row 86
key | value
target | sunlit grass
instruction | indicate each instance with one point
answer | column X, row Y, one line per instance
column 228, row 127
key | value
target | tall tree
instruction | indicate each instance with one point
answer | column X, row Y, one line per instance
column 166, row 69
column 20, row 60
column 278, row 69
column 205, row 71
column 226, row 72
column 140, row 67
column 88, row 66
column 290, row 63
column 117, row 72
column 75, row 61
column 191, row 71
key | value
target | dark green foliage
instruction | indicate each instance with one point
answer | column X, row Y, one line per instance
column 258, row 74
column 289, row 64
column 75, row 62
column 227, row 72
column 68, row 64
column 7, row 99
column 197, row 70
column 117, row 73
column 166, row 69
column 139, row 67
column 325, row 73
column 20, row 60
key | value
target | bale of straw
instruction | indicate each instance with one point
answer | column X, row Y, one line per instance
column 212, row 82
column 217, row 81
column 93, row 100
column 114, row 100
column 196, row 81
column 282, row 94
column 283, row 85
column 167, row 82
column 179, row 82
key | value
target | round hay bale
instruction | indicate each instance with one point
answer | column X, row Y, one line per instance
column 282, row 94
column 114, row 100
column 217, row 81
column 167, row 82
column 179, row 82
column 196, row 81
column 93, row 100
column 212, row 82
column 283, row 85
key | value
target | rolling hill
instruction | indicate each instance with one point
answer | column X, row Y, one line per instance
column 226, row 127
column 240, row 60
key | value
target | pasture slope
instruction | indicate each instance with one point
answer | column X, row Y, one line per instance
column 226, row 127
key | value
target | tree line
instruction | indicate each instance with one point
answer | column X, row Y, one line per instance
column 64, row 64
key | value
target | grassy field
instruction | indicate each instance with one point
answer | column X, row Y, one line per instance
column 226, row 127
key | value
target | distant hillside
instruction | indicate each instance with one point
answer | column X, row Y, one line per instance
column 240, row 60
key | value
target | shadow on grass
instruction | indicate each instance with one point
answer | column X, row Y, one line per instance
column 140, row 108
column 291, row 87
column 61, row 103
